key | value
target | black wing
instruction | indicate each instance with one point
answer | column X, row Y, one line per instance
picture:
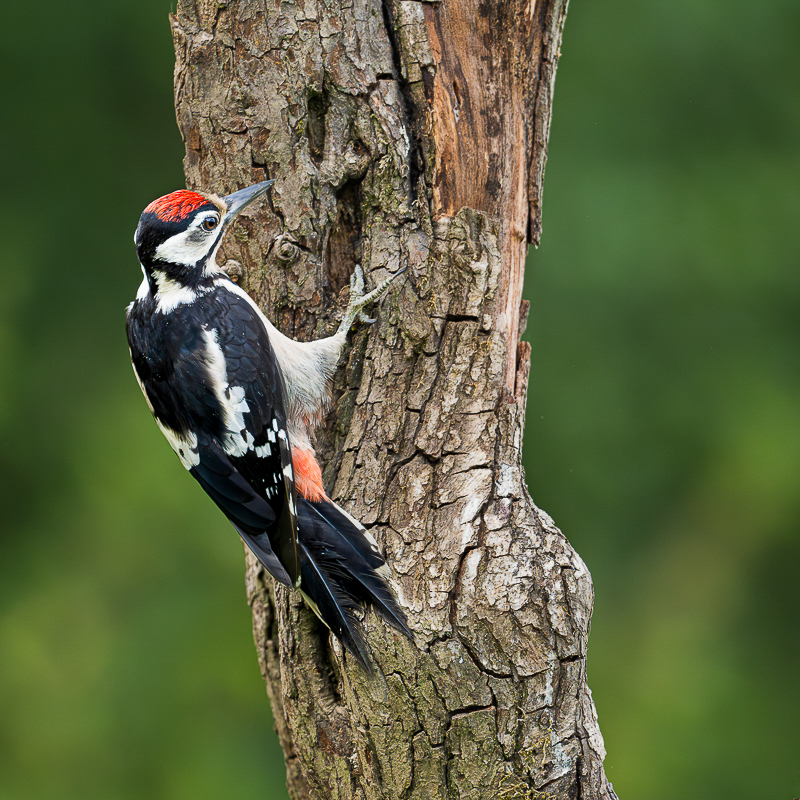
column 260, row 452
column 212, row 380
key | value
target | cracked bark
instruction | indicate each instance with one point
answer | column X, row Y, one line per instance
column 407, row 134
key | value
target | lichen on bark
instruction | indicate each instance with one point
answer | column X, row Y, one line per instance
column 412, row 135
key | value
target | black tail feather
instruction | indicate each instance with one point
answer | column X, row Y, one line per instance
column 362, row 562
column 321, row 583
column 339, row 573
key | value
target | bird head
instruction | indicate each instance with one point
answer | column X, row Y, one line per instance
column 179, row 234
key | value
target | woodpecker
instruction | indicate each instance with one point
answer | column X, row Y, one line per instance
column 238, row 402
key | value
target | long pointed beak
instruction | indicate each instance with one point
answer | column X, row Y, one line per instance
column 238, row 200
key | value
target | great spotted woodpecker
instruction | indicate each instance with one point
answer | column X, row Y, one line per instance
column 238, row 402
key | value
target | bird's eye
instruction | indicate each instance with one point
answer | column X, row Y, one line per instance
column 209, row 223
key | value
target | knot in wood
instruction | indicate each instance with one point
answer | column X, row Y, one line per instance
column 234, row 270
column 287, row 250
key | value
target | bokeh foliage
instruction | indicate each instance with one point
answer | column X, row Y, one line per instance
column 663, row 421
column 664, row 413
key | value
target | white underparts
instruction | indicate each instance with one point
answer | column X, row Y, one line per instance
column 314, row 607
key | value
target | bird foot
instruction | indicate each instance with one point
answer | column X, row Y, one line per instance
column 359, row 301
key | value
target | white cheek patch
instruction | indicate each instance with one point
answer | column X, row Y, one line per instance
column 186, row 247
column 237, row 440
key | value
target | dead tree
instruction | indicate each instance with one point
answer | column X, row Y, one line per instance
column 407, row 134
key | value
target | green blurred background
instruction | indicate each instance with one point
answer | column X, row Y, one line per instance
column 663, row 420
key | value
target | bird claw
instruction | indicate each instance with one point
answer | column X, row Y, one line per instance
column 359, row 300
column 356, row 284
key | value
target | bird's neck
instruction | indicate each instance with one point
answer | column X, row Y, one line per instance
column 167, row 276
column 170, row 284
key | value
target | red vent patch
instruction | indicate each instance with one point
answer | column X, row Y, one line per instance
column 176, row 206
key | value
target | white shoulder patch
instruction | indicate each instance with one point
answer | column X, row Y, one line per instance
column 237, row 439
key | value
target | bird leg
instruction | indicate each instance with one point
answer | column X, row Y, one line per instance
column 359, row 301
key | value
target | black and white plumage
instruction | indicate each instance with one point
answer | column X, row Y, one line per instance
column 238, row 402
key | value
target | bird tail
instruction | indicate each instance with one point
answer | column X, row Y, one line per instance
column 342, row 572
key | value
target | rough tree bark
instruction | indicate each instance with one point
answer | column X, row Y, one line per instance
column 408, row 134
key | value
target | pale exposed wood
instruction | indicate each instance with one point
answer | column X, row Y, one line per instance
column 412, row 135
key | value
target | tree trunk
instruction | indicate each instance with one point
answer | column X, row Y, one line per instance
column 408, row 134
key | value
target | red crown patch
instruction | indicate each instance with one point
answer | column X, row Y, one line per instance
column 176, row 206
